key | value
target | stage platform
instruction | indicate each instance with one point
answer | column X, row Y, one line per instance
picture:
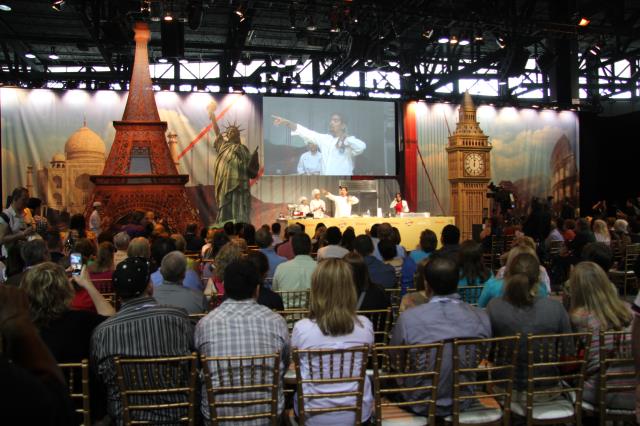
column 409, row 227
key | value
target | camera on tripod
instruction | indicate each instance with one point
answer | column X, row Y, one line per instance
column 502, row 196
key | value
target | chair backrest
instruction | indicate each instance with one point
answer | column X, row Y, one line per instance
column 470, row 293
column 617, row 368
column 197, row 317
column 381, row 320
column 631, row 254
column 291, row 316
column 407, row 369
column 484, row 366
column 157, row 390
column 395, row 295
column 555, row 247
column 242, row 388
column 295, row 299
column 76, row 375
column 103, row 285
column 331, row 375
column 555, row 359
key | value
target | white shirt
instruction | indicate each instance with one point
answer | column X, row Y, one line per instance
column 332, row 250
column 16, row 224
column 94, row 222
column 304, row 208
column 342, row 204
column 310, row 163
column 307, row 335
column 334, row 162
column 318, row 208
column 405, row 207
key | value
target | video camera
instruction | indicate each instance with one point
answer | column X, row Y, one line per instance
column 505, row 198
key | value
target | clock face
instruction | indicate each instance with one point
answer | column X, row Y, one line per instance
column 474, row 164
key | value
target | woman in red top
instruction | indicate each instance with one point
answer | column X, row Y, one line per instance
column 399, row 205
column 100, row 273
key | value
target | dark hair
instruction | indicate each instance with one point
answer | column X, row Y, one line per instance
column 238, row 228
column 333, row 235
column 34, row 252
column 374, row 230
column 78, row 223
column 160, row 247
column 17, row 193
column 348, row 238
column 260, row 261
column 471, row 267
column 582, row 224
column 229, row 228
column 395, row 235
column 220, row 238
column 360, row 271
column 86, row 248
column 450, row 235
column 249, row 234
column 191, row 228
column 598, row 253
column 418, row 278
column 387, row 249
column 320, row 225
column 263, row 238
column 520, row 280
column 275, row 228
column 240, row 279
column 34, row 203
column 428, row 240
column 54, row 240
column 301, row 244
column 441, row 274
column 363, row 245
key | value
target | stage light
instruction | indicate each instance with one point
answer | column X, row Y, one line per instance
column 453, row 40
column 478, row 37
column 464, row 40
column 292, row 16
column 57, row 5
column 584, row 21
column 501, row 42
column 53, row 54
column 163, row 60
column 241, row 11
column 443, row 39
column 596, row 49
column 168, row 17
column 427, row 33
column 311, row 25
column 29, row 55
column 5, row 7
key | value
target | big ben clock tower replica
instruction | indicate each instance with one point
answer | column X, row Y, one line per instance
column 469, row 169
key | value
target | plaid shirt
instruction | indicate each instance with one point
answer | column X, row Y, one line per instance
column 242, row 328
column 141, row 329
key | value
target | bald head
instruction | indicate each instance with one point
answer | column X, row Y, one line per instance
column 173, row 266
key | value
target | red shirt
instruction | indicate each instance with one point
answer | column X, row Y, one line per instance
column 82, row 301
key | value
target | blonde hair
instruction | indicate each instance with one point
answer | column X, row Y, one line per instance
column 139, row 247
column 592, row 291
column 49, row 292
column 518, row 249
column 333, row 297
column 600, row 227
column 227, row 254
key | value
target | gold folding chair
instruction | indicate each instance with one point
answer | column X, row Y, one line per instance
column 330, row 367
column 242, row 388
column 408, row 374
column 617, row 377
column 483, row 372
column 555, row 378
column 103, row 285
column 291, row 316
column 76, row 375
column 381, row 320
column 295, row 299
column 625, row 274
column 157, row 390
column 470, row 293
column 197, row 317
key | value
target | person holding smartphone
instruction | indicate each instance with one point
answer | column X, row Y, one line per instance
column 14, row 230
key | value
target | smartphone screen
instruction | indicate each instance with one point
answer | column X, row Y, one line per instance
column 76, row 263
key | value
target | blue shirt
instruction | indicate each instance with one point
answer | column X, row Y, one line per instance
column 191, row 280
column 418, row 254
column 380, row 273
column 495, row 288
column 274, row 260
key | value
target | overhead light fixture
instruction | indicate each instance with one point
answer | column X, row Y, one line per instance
column 29, row 55
column 53, row 54
column 443, row 39
column 596, row 49
column 464, row 40
column 502, row 82
column 292, row 16
column 427, row 33
column 453, row 40
column 478, row 37
column 183, row 61
column 168, row 17
column 584, row 21
column 501, row 42
column 163, row 60
column 241, row 11
column 57, row 5
column 5, row 7
column 311, row 25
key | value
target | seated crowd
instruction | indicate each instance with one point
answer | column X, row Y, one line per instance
column 144, row 292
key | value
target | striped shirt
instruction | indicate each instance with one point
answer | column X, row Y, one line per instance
column 241, row 328
column 141, row 329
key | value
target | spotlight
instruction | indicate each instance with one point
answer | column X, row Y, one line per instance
column 53, row 54
column 57, row 5
column 443, row 39
column 163, row 60
column 501, row 42
column 292, row 16
column 453, row 40
column 427, row 33
column 168, row 17
column 478, row 37
column 464, row 40
column 240, row 11
column 596, row 49
column 311, row 25
column 29, row 55
column 584, row 21
column 5, row 7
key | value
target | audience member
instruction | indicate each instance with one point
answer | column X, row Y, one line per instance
column 266, row 296
column 192, row 276
column 285, row 249
column 121, row 241
column 172, row 291
column 139, row 247
column 522, row 244
column 601, row 232
column 275, row 231
column 554, row 235
column 333, row 248
column 264, row 241
column 419, row 296
column 472, row 270
column 596, row 307
column 33, row 253
column 428, row 244
column 134, row 226
column 194, row 242
column 450, row 239
column 160, row 247
column 333, row 323
column 380, row 273
column 445, row 316
column 348, row 239
column 598, row 253
column 14, row 230
column 54, row 245
column 142, row 328
column 521, row 310
column 569, row 230
column 227, row 254
column 295, row 274
column 241, row 327
column 370, row 295
column 583, row 237
column 100, row 272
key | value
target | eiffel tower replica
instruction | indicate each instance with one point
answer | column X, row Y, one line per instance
column 140, row 173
